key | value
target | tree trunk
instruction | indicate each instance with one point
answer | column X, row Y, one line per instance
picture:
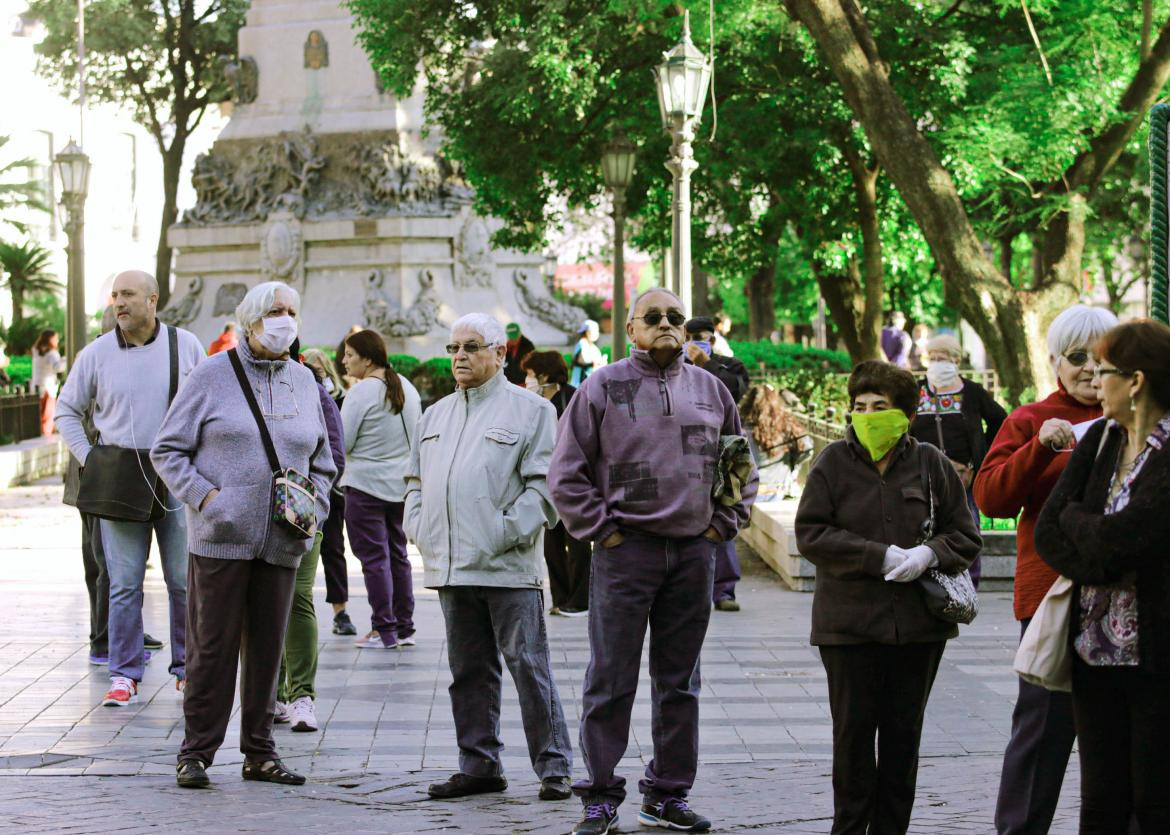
column 172, row 171
column 844, row 299
column 761, row 293
column 869, row 314
column 16, row 291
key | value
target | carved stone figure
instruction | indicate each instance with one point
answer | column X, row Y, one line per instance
column 243, row 77
column 282, row 245
column 386, row 316
column 228, row 298
column 182, row 312
column 316, row 51
column 535, row 299
column 475, row 263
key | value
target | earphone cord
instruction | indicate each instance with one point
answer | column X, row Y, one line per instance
column 134, row 444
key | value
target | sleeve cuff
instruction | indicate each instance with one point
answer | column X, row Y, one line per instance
column 874, row 556
column 198, row 492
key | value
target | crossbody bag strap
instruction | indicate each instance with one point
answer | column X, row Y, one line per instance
column 238, row 367
column 173, row 342
column 927, row 483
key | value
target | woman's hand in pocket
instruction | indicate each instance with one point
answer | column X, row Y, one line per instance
column 208, row 499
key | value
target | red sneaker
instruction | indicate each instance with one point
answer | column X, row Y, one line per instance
column 123, row 692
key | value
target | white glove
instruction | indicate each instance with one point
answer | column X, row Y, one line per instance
column 894, row 557
column 918, row 559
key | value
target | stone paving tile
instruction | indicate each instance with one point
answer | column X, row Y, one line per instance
column 387, row 730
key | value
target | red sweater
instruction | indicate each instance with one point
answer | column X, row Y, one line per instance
column 1018, row 474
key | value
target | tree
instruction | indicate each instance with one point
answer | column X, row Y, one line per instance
column 161, row 59
column 17, row 190
column 24, row 269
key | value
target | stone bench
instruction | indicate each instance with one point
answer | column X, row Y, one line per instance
column 772, row 535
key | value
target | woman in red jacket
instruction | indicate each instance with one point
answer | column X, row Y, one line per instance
column 1019, row 471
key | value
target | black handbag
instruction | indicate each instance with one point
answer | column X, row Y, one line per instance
column 949, row 597
column 120, row 483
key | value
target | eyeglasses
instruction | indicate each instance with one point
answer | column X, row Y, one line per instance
column 468, row 347
column 1077, row 358
column 654, row 317
column 1098, row 373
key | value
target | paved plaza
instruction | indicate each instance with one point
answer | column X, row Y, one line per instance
column 68, row 765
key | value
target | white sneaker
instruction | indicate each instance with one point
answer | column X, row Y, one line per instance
column 408, row 641
column 280, row 715
column 302, row 714
column 373, row 641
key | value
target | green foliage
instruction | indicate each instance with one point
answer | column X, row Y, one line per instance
column 785, row 356
column 19, row 337
column 403, row 363
column 20, row 369
column 24, row 270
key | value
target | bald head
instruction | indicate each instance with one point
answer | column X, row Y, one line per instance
column 134, row 298
column 137, row 278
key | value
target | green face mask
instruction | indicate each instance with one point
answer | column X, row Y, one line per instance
column 880, row 431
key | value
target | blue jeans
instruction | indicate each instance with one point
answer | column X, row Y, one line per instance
column 127, row 545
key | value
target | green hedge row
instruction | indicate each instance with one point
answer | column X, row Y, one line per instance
column 20, row 369
column 785, row 356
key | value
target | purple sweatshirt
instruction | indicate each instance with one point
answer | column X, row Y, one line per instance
column 333, row 429
column 637, row 447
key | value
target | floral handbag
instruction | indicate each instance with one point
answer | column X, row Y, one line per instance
column 294, row 498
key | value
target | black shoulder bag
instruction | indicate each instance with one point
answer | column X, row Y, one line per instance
column 120, row 483
column 949, row 597
column 294, row 498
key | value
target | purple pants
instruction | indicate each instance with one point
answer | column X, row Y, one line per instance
column 378, row 541
column 726, row 571
column 666, row 584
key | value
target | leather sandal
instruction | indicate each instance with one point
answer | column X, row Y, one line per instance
column 271, row 771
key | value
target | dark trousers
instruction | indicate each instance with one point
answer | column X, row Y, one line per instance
column 726, row 571
column 666, row 584
column 1035, row 760
column 237, row 610
column 1123, row 729
column 378, row 541
column 97, row 584
column 482, row 624
column 333, row 551
column 568, row 561
column 877, row 690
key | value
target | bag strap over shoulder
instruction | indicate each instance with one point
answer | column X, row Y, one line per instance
column 173, row 344
column 927, row 485
column 238, row 367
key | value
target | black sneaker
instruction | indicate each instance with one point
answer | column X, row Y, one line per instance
column 190, row 774
column 151, row 642
column 555, row 788
column 342, row 625
column 727, row 605
column 673, row 813
column 461, row 785
column 599, row 819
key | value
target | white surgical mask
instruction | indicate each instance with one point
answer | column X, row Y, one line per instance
column 278, row 334
column 328, row 385
column 942, row 374
column 532, row 384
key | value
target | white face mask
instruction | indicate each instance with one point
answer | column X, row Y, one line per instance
column 532, row 384
column 278, row 334
column 942, row 374
column 328, row 385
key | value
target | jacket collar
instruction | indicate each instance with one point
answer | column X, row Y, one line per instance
column 644, row 364
column 486, row 390
column 245, row 352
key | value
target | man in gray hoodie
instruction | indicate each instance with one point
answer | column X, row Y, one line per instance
column 633, row 471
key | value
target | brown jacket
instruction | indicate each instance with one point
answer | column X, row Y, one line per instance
column 849, row 515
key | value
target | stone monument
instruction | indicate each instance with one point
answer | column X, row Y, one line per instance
column 325, row 182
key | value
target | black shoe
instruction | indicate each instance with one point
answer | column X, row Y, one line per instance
column 599, row 819
column 673, row 813
column 727, row 605
column 150, row 642
column 555, row 788
column 342, row 625
column 190, row 774
column 272, row 771
column 461, row 785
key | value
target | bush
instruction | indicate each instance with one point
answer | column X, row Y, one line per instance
column 20, row 370
column 20, row 337
column 785, row 356
column 404, row 364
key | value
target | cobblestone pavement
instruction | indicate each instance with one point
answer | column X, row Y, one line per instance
column 68, row 765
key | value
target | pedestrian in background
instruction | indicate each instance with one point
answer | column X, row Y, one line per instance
column 1105, row 527
column 1018, row 473
column 587, row 357
column 568, row 559
column 379, row 417
column 47, row 364
column 519, row 346
column 919, row 336
column 243, row 563
column 958, row 416
column 477, row 502
column 860, row 522
column 896, row 342
column 226, row 340
column 719, row 344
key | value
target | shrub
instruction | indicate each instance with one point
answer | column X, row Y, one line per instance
column 785, row 356
column 20, row 370
column 403, row 363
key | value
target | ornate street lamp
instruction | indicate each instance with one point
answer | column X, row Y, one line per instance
column 682, row 79
column 617, row 166
column 73, row 171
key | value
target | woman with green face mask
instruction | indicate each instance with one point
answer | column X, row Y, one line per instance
column 861, row 523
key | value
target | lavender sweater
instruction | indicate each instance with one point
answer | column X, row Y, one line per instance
column 637, row 447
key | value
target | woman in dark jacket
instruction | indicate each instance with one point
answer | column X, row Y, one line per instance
column 568, row 559
column 957, row 415
column 859, row 522
column 1106, row 528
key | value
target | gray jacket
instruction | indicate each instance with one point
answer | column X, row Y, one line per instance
column 477, row 498
column 210, row 440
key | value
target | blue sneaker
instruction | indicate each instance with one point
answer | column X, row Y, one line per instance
column 599, row 819
column 673, row 813
column 99, row 660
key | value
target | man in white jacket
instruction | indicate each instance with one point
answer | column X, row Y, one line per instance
column 477, row 503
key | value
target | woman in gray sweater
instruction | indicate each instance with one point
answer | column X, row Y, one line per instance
column 242, row 567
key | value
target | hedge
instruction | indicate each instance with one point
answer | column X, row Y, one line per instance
column 20, row 370
column 784, row 356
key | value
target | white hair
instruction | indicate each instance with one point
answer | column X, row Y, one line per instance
column 486, row 326
column 259, row 300
column 638, row 298
column 1077, row 327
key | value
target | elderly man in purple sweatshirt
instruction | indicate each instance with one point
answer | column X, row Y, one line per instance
column 633, row 470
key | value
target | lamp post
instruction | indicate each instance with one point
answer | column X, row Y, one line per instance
column 617, row 166
column 682, row 80
column 73, row 171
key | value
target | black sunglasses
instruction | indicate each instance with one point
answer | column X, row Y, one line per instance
column 653, row 318
column 1077, row 358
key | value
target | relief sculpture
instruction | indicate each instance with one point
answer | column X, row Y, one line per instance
column 182, row 312
column 535, row 299
column 387, row 317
